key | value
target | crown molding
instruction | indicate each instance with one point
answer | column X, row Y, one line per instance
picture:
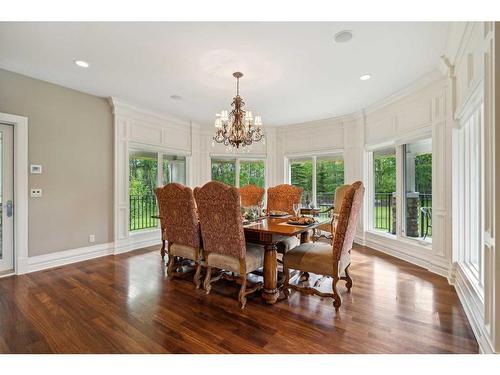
column 423, row 82
column 123, row 108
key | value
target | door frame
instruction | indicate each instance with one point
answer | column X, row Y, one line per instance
column 20, row 125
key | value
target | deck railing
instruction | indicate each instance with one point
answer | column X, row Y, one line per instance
column 384, row 215
column 142, row 207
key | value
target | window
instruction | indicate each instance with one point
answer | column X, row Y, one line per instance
column 174, row 169
column 239, row 172
column 469, row 192
column 417, row 205
column 224, row 171
column 252, row 173
column 144, row 177
column 301, row 176
column 319, row 176
column 384, row 188
column 329, row 175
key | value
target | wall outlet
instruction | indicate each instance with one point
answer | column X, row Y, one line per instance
column 36, row 193
column 92, row 238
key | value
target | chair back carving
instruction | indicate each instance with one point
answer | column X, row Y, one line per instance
column 339, row 197
column 178, row 214
column 251, row 195
column 220, row 219
column 348, row 219
column 282, row 197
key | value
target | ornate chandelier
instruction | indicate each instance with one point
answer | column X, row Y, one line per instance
column 239, row 127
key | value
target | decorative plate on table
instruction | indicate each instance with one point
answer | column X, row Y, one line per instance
column 278, row 213
column 303, row 220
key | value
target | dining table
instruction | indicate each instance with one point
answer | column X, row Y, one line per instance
column 269, row 231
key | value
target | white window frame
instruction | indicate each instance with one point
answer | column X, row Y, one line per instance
column 402, row 209
column 139, row 147
column 238, row 160
column 470, row 193
column 370, row 189
column 423, row 133
column 313, row 157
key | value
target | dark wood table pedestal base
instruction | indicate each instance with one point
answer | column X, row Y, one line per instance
column 270, row 292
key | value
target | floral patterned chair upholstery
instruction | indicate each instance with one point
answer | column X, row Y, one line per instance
column 224, row 238
column 334, row 212
column 325, row 259
column 282, row 198
column 181, row 227
column 251, row 195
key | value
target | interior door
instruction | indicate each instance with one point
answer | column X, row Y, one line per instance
column 6, row 198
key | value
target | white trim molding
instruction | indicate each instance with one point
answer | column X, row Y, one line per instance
column 134, row 128
column 61, row 258
column 20, row 189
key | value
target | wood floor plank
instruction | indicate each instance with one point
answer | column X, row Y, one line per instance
column 126, row 304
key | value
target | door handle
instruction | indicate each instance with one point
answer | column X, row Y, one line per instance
column 10, row 208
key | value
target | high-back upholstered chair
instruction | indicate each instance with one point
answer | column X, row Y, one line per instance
column 282, row 198
column 251, row 195
column 334, row 210
column 178, row 213
column 325, row 259
column 223, row 236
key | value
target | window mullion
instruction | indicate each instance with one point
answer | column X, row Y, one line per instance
column 314, row 182
column 237, row 177
column 159, row 174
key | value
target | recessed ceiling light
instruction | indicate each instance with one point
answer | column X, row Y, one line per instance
column 175, row 97
column 81, row 63
column 365, row 77
column 343, row 36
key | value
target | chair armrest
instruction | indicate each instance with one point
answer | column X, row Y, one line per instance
column 327, row 210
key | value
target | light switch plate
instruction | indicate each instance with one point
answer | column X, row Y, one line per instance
column 36, row 193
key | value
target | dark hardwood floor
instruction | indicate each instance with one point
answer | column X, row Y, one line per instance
column 125, row 304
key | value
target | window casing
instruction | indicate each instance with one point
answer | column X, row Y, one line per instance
column 400, row 179
column 469, row 192
column 144, row 177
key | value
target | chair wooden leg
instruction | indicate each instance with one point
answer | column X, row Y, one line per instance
column 196, row 279
column 170, row 266
column 286, row 282
column 162, row 251
column 348, row 279
column 241, row 297
column 208, row 280
column 337, row 301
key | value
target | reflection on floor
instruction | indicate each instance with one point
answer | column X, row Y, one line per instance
column 125, row 304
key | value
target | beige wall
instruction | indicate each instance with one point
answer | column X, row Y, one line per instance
column 71, row 136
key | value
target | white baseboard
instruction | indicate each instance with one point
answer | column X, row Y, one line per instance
column 60, row 258
column 138, row 240
column 397, row 250
column 135, row 241
column 472, row 307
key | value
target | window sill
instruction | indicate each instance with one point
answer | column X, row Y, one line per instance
column 418, row 241
column 424, row 245
column 382, row 234
column 143, row 231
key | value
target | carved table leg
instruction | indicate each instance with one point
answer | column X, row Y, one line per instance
column 270, row 292
column 305, row 237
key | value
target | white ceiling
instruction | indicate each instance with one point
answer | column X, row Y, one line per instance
column 294, row 72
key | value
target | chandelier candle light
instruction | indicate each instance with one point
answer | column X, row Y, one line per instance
column 239, row 127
